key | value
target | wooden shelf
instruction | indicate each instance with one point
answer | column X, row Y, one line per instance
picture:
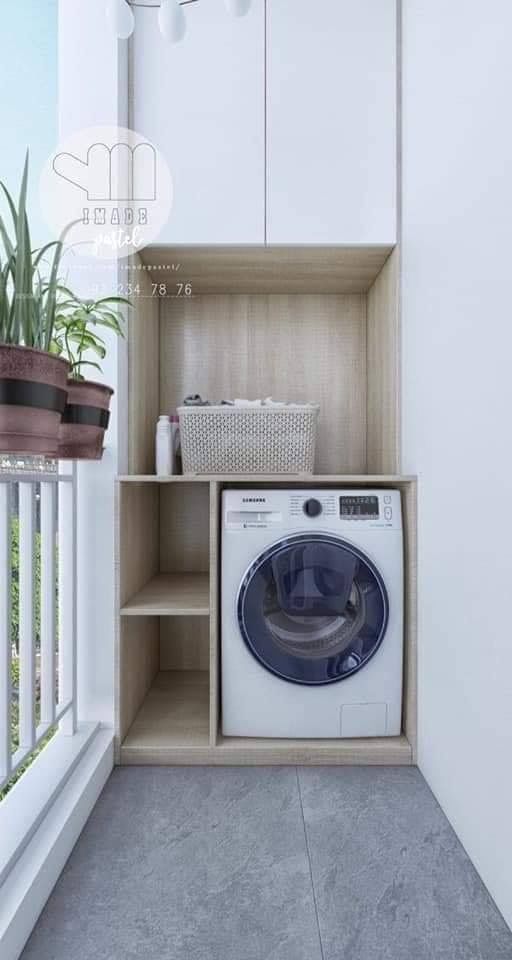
column 171, row 595
column 173, row 478
column 275, row 480
column 174, row 715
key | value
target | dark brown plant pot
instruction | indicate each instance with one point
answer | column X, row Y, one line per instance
column 33, row 395
column 84, row 421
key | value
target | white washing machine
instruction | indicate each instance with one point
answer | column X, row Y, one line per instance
column 312, row 613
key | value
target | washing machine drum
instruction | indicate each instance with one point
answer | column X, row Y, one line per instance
column 313, row 609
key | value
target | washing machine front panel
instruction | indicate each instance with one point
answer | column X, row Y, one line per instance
column 313, row 608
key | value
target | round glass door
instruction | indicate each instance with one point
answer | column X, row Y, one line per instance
column 313, row 609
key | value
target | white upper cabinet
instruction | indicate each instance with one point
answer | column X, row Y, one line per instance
column 331, row 121
column 295, row 144
column 201, row 102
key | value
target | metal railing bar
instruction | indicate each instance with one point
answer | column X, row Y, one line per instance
column 27, row 650
column 74, row 599
column 48, row 600
column 5, row 631
column 67, row 601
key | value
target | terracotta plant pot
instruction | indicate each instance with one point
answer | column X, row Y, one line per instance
column 84, row 420
column 33, row 393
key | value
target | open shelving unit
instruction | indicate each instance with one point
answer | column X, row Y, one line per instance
column 232, row 337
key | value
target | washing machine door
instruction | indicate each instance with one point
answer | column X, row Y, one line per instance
column 313, row 609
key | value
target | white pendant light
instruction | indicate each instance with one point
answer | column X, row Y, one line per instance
column 120, row 18
column 171, row 21
column 238, row 8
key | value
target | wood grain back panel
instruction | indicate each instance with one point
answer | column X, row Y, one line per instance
column 290, row 347
column 184, row 527
column 184, row 643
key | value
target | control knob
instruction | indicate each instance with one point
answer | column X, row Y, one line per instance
column 312, row 508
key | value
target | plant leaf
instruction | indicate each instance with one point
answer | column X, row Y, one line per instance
column 9, row 248
column 123, row 300
column 52, row 285
column 21, row 268
column 84, row 363
column 42, row 251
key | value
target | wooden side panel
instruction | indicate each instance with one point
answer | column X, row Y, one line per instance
column 136, row 655
column 143, row 387
column 138, row 537
column 297, row 348
column 215, row 494
column 383, row 366
column 138, row 666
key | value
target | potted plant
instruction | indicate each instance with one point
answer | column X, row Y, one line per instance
column 32, row 378
column 87, row 412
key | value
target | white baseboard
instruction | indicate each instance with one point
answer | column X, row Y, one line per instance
column 35, row 873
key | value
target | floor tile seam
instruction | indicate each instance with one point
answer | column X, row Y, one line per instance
column 310, row 866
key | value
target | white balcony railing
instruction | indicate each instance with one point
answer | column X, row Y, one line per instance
column 37, row 610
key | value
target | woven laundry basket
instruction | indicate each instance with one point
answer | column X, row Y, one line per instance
column 226, row 439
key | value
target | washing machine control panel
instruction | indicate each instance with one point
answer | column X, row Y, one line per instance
column 337, row 510
column 375, row 508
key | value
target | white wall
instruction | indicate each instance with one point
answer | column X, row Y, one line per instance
column 457, row 401
column 93, row 91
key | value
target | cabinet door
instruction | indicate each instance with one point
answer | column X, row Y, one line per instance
column 331, row 121
column 202, row 103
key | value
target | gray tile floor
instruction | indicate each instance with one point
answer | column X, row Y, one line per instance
column 350, row 863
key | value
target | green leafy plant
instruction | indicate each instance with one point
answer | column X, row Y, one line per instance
column 77, row 326
column 27, row 300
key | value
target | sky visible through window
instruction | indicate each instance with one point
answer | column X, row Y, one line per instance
column 28, row 98
column 28, row 118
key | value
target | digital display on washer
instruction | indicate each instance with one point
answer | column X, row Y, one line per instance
column 359, row 506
